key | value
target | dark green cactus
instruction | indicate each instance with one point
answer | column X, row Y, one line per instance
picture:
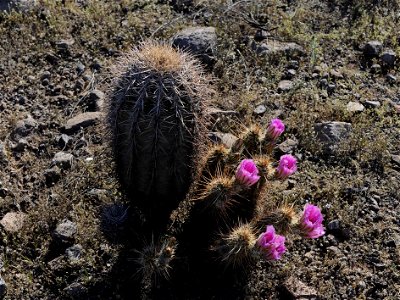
column 156, row 119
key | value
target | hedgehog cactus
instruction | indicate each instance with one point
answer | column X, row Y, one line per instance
column 156, row 119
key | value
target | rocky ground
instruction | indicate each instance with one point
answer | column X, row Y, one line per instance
column 328, row 69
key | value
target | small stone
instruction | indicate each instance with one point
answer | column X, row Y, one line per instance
column 288, row 146
column 76, row 291
column 336, row 75
column 24, row 127
column 3, row 154
column 3, row 287
column 65, row 45
column 355, row 107
column 375, row 68
column 291, row 50
column 20, row 145
column 65, row 231
column 260, row 109
column 332, row 133
column 74, row 252
column 391, row 78
column 63, row 160
column 45, row 75
column 372, row 104
column 396, row 160
column 13, row 221
column 81, row 121
column 52, row 176
column 372, row 49
column 200, row 41
column 95, row 100
column 388, row 58
column 331, row 88
column 64, row 141
column 297, row 290
column 260, row 35
column 80, row 68
column 285, row 85
column 317, row 69
column 293, row 64
column 323, row 83
column 289, row 74
column 223, row 138
column 334, row 225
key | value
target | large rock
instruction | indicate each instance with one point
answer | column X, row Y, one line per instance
column 372, row 49
column 330, row 134
column 200, row 41
column 81, row 121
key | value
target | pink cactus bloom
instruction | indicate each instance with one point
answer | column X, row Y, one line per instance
column 275, row 129
column 247, row 172
column 311, row 222
column 287, row 166
column 271, row 244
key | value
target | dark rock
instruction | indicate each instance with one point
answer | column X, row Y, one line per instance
column 375, row 69
column 65, row 231
column 18, row 5
column 396, row 160
column 261, row 35
column 80, row 68
column 200, row 41
column 223, row 138
column 95, row 100
column 260, row 109
column 24, row 127
column 331, row 88
column 388, row 58
column 323, row 83
column 295, row 289
column 3, row 154
column 293, row 64
column 20, row 146
column 3, row 287
column 391, row 78
column 332, row 133
column 285, row 85
column 289, row 74
column 64, row 141
column 52, row 176
column 76, row 291
column 13, row 221
column 372, row 49
column 65, row 45
column 74, row 252
column 81, row 121
column 334, row 225
column 63, row 160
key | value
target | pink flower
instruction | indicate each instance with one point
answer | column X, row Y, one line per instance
column 247, row 172
column 271, row 244
column 287, row 166
column 311, row 222
column 275, row 129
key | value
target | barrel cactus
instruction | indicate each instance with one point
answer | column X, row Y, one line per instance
column 156, row 117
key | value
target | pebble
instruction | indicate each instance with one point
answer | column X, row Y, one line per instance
column 13, row 221
column 63, row 160
column 288, row 146
column 3, row 287
column 226, row 139
column 285, row 85
column 260, row 109
column 375, row 68
column 76, row 291
column 64, row 141
column 332, row 133
column 388, row 58
column 74, row 252
column 65, row 231
column 24, row 127
column 334, row 225
column 52, row 176
column 81, row 121
column 355, row 107
column 372, row 104
column 298, row 290
column 372, row 49
column 391, row 78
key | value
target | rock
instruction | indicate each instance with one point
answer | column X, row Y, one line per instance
column 64, row 141
column 13, row 221
column 288, row 146
column 216, row 113
column 391, row 78
column 65, row 231
column 65, row 45
column 20, row 145
column 293, row 64
column 3, row 154
column 355, row 107
column 80, row 68
column 295, row 289
column 95, row 100
column 74, row 252
column 3, row 287
column 24, row 127
column 289, row 74
column 331, row 88
column 76, row 291
column 260, row 35
column 200, row 41
column 396, row 160
column 81, row 121
column 372, row 49
column 260, row 109
column 388, row 58
column 375, row 69
column 18, row 5
column 223, row 138
column 285, row 85
column 63, row 160
column 334, row 225
column 290, row 50
column 372, row 104
column 52, row 176
column 332, row 133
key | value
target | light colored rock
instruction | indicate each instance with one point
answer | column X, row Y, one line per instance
column 65, row 231
column 82, row 121
column 285, row 85
column 281, row 48
column 13, row 221
column 355, row 107
column 63, row 160
column 298, row 290
column 226, row 139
